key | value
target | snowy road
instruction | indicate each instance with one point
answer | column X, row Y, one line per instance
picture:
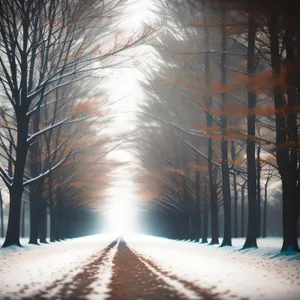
column 143, row 267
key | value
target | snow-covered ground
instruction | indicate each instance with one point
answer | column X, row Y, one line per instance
column 28, row 270
column 249, row 274
column 84, row 267
column 100, row 286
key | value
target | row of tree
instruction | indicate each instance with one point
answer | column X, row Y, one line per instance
column 220, row 120
column 53, row 113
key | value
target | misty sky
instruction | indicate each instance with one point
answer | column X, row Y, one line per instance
column 123, row 86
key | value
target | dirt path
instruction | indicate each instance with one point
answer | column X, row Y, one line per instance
column 135, row 277
column 78, row 287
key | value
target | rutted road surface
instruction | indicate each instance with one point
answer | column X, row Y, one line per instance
column 118, row 272
column 135, row 277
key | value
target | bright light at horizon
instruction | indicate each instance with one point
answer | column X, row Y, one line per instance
column 121, row 219
column 139, row 12
column 121, row 214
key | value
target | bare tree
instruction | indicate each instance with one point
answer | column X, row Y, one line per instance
column 46, row 46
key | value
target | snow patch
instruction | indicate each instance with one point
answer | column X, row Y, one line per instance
column 175, row 284
column 253, row 273
column 29, row 270
column 101, row 285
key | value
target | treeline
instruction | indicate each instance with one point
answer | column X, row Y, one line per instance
column 220, row 122
column 54, row 112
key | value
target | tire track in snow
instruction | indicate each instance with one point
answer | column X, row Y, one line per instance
column 189, row 289
column 120, row 273
column 100, row 285
column 83, row 284
column 172, row 282
column 135, row 277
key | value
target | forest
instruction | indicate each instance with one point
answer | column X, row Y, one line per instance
column 55, row 114
column 218, row 127
column 219, row 135
column 150, row 149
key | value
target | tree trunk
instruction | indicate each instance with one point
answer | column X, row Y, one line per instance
column 214, row 210
column 16, row 189
column 53, row 212
column 290, row 172
column 243, row 211
column 199, row 236
column 13, row 227
column 298, row 228
column 59, row 215
column 43, row 222
column 198, row 206
column 235, row 193
column 205, row 218
column 298, row 101
column 23, row 220
column 34, row 215
column 251, row 120
column 286, row 132
column 224, row 148
column 290, row 242
column 53, row 235
column 36, row 192
column 258, row 169
column 265, row 209
column 209, row 121
column 1, row 216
